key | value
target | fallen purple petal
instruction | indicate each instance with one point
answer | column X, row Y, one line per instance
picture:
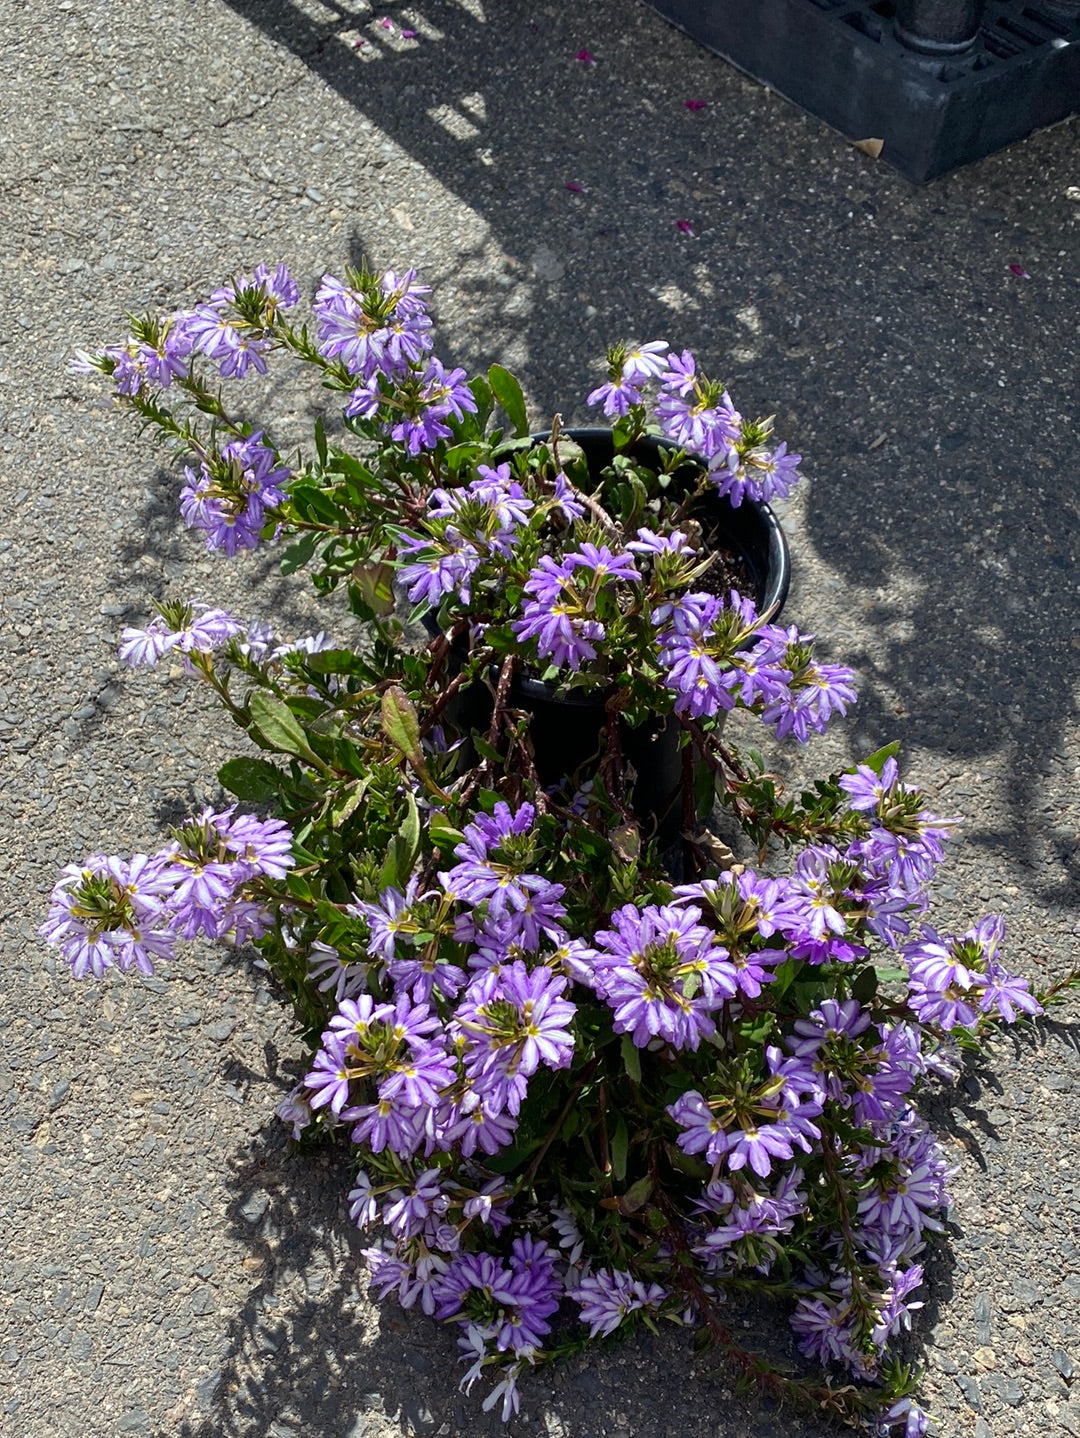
column 684, row 225
column 575, row 187
column 408, row 34
column 696, row 104
column 1019, row 271
column 386, row 23
column 586, row 57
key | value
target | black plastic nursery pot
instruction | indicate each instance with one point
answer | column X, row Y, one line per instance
column 939, row 82
column 565, row 730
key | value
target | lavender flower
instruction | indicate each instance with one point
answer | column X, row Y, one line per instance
column 191, row 628
column 696, row 412
column 231, row 495
column 661, row 971
column 510, row 1306
column 513, row 1021
column 425, row 402
column 112, row 911
column 375, row 325
column 609, row 1296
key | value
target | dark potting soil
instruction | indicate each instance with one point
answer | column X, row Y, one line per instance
column 728, row 571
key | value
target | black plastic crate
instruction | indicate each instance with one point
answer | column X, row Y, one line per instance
column 842, row 61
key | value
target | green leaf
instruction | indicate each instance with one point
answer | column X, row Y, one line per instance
column 508, row 392
column 886, row 975
column 320, row 439
column 631, row 1059
column 443, row 834
column 459, row 455
column 348, row 805
column 298, row 554
column 373, row 584
column 620, row 1143
column 783, row 977
column 312, row 504
column 278, row 725
column 410, row 830
column 298, row 887
column 481, row 392
column 636, row 1196
column 403, row 851
column 349, row 466
column 877, row 760
column 400, row 724
column 256, row 780
column 865, row 986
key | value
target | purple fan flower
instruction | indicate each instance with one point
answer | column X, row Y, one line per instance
column 392, row 916
column 824, row 1326
column 230, row 496
column 516, row 1302
column 426, row 402
column 609, row 1296
column 382, row 328
column 491, row 511
column 750, row 1221
column 198, row 629
column 694, row 412
column 137, row 363
column 602, row 564
column 438, row 568
column 907, row 1175
column 472, row 1125
column 759, row 474
column 496, row 854
column 515, row 1021
column 112, row 911
column 407, row 1214
column 662, row 972
column 278, row 287
column 570, row 507
column 327, row 1082
column 812, row 886
column 553, row 615
column 411, row 1284
column 866, row 789
column 616, row 395
column 260, row 846
column 941, row 987
column 644, row 362
column 222, row 339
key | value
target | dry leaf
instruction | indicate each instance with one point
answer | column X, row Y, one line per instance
column 873, row 148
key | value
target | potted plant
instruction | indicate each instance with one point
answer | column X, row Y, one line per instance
column 594, row 1060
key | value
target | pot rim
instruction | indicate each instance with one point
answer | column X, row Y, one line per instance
column 771, row 536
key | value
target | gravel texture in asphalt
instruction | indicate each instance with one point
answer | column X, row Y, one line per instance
column 168, row 1266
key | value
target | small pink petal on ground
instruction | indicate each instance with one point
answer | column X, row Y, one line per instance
column 695, row 104
column 359, row 43
column 408, row 34
column 684, row 225
column 386, row 23
column 586, row 57
column 1019, row 271
column 575, row 187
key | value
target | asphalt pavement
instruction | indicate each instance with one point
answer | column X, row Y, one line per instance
column 168, row 1267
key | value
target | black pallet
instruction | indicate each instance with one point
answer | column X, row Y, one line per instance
column 841, row 61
